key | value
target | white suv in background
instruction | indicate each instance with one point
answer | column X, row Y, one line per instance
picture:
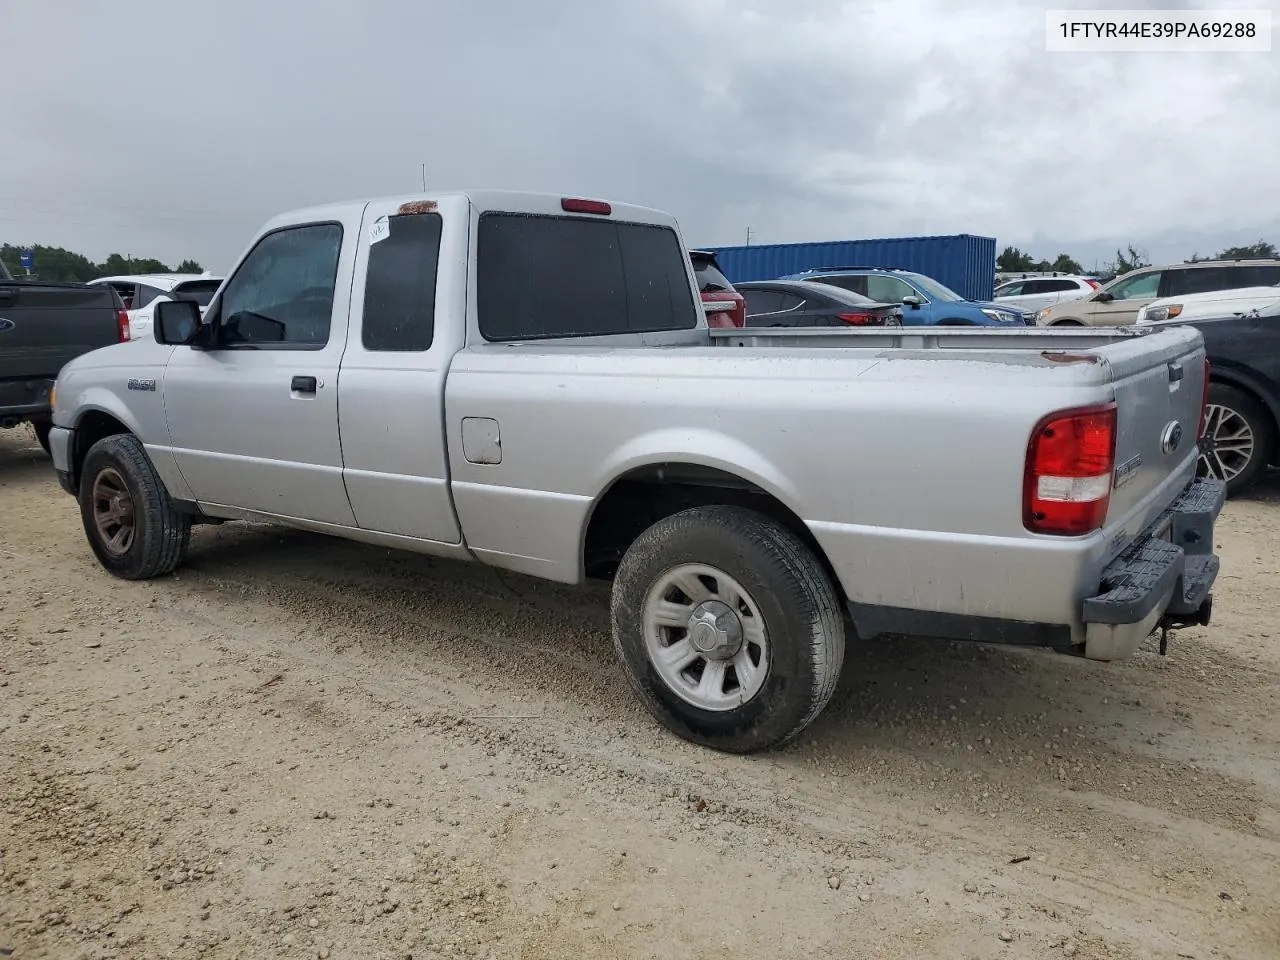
column 1036, row 293
column 1219, row 303
column 141, row 292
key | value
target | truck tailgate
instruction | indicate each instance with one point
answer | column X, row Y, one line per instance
column 1159, row 391
column 50, row 324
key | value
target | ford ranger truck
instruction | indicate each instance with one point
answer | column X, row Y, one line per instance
column 529, row 382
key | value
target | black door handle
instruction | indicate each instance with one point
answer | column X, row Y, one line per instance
column 303, row 384
column 7, row 293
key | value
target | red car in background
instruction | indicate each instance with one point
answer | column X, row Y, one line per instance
column 724, row 306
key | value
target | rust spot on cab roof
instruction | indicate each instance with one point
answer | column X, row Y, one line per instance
column 417, row 206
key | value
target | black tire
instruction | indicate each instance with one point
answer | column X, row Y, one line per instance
column 41, row 429
column 1259, row 421
column 1066, row 323
column 160, row 533
column 797, row 603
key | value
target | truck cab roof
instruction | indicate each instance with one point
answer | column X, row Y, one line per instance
column 534, row 203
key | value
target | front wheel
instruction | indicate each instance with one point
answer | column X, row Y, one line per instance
column 1238, row 438
column 728, row 628
column 134, row 528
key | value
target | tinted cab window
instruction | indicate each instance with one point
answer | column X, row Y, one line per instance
column 546, row 276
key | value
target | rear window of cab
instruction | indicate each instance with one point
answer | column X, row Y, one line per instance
column 539, row 277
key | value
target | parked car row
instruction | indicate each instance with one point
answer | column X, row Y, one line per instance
column 1119, row 302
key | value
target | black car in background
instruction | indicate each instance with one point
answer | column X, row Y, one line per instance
column 1242, row 420
column 807, row 303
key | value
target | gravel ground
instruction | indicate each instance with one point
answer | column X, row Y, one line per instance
column 301, row 747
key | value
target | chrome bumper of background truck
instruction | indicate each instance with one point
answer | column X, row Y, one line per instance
column 1163, row 580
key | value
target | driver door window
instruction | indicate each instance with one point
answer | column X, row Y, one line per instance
column 282, row 295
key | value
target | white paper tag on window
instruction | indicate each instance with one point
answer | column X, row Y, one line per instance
column 380, row 230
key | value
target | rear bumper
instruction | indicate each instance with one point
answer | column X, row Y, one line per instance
column 25, row 399
column 1166, row 575
column 1049, row 599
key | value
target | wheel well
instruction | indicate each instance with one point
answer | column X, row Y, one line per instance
column 91, row 428
column 1066, row 323
column 639, row 499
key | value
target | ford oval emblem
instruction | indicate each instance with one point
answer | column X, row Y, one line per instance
column 1171, row 438
column 5, row 324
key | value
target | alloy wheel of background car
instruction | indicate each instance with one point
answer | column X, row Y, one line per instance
column 706, row 637
column 1231, row 442
column 1238, row 438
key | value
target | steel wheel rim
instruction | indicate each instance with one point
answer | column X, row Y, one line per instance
column 691, row 616
column 113, row 514
column 1229, row 443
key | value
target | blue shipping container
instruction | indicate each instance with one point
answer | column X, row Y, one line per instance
column 965, row 263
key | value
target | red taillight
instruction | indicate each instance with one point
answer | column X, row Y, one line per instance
column 1070, row 461
column 1093, row 283
column 573, row 205
column 861, row 319
column 1204, row 400
column 122, row 325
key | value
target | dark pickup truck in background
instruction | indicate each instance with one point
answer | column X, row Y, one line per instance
column 1242, row 419
column 42, row 326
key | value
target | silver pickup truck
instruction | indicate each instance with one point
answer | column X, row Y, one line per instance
column 529, row 382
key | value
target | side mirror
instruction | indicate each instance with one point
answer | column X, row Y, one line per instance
column 1103, row 297
column 177, row 321
column 912, row 302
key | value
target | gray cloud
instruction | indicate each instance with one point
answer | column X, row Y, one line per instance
column 172, row 132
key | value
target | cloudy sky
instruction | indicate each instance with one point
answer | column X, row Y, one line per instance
column 174, row 129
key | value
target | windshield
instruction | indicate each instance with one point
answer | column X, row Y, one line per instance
column 198, row 291
column 932, row 288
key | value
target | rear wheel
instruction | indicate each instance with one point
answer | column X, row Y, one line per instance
column 1238, row 440
column 1066, row 323
column 134, row 528
column 728, row 628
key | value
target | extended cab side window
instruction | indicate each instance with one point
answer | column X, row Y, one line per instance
column 400, row 285
column 282, row 294
column 546, row 276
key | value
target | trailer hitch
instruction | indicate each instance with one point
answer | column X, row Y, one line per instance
column 1172, row 621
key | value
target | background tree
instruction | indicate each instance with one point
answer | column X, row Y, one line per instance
column 189, row 266
column 1064, row 264
column 1130, row 260
column 1262, row 250
column 1013, row 260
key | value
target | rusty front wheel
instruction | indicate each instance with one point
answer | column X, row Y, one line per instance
column 113, row 512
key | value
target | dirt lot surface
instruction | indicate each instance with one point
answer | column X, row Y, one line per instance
column 300, row 747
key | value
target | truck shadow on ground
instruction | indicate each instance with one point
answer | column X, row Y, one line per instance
column 551, row 644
